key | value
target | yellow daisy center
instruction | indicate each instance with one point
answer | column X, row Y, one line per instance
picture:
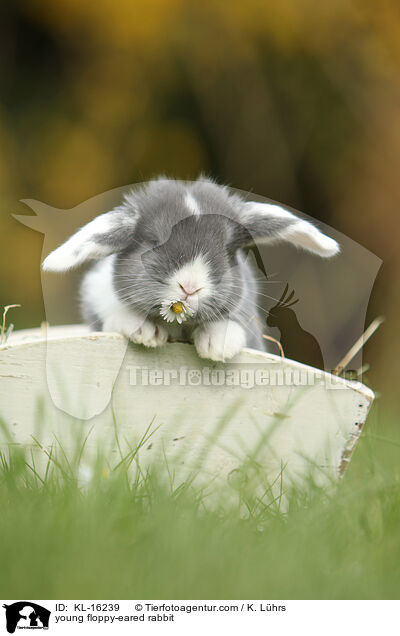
column 177, row 308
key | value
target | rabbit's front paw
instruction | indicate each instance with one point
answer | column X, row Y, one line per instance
column 219, row 340
column 150, row 335
column 137, row 329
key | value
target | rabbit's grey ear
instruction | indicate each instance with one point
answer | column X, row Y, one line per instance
column 266, row 222
column 106, row 234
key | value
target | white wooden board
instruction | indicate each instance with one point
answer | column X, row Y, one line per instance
column 222, row 421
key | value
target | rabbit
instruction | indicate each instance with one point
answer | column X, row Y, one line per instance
column 180, row 242
column 297, row 343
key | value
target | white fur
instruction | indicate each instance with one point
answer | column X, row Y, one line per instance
column 79, row 247
column 82, row 245
column 301, row 233
column 98, row 293
column 192, row 276
column 190, row 283
column 130, row 202
column 219, row 340
column 305, row 235
column 192, row 204
column 267, row 210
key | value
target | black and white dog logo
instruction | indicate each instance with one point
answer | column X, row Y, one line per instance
column 26, row 615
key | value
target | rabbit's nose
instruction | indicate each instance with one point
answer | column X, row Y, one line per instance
column 190, row 290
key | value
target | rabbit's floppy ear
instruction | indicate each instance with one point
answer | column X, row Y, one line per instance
column 267, row 222
column 107, row 234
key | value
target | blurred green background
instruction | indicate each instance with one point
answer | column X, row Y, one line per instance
column 297, row 101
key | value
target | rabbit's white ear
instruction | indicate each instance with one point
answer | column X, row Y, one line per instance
column 267, row 222
column 106, row 234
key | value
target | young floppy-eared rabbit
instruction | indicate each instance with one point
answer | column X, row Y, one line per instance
column 169, row 262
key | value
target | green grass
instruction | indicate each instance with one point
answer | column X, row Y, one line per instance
column 115, row 539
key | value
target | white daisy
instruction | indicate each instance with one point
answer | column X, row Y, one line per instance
column 175, row 310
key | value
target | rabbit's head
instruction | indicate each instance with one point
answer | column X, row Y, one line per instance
column 173, row 241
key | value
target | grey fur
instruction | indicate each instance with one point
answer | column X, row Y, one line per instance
column 164, row 235
column 154, row 233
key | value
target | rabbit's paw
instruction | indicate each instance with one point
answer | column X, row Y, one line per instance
column 137, row 329
column 150, row 335
column 219, row 340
